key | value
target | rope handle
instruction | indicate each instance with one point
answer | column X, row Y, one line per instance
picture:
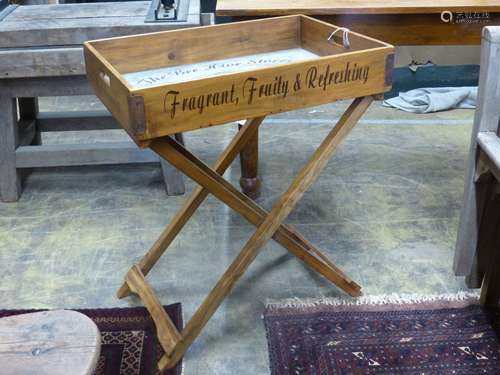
column 345, row 36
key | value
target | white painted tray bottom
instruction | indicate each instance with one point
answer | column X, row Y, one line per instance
column 190, row 72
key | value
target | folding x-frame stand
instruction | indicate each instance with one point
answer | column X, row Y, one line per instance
column 269, row 225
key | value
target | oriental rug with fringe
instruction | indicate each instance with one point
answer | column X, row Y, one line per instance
column 441, row 334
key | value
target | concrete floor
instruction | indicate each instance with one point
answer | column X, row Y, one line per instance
column 385, row 210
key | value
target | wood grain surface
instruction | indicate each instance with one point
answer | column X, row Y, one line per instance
column 395, row 22
column 56, row 342
column 72, row 24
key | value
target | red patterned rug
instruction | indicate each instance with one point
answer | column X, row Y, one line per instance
column 129, row 344
column 407, row 335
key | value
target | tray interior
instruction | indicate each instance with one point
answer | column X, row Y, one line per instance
column 148, row 60
column 204, row 69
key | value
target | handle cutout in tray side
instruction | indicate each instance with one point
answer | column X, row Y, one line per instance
column 105, row 78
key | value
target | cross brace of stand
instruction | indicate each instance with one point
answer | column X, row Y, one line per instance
column 269, row 225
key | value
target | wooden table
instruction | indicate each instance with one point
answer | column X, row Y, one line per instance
column 41, row 54
column 399, row 22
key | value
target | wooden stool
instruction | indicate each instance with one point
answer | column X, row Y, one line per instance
column 59, row 342
column 151, row 114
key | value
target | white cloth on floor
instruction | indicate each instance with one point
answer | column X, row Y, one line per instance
column 426, row 100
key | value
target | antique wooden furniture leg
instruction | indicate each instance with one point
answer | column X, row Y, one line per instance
column 489, row 256
column 10, row 177
column 487, row 259
column 28, row 111
column 249, row 161
column 484, row 186
column 174, row 181
column 486, row 120
column 15, row 133
column 484, row 183
column 269, row 225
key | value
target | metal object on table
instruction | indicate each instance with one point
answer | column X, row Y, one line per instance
column 167, row 11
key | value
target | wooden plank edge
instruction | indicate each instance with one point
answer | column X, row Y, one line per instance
column 82, row 154
column 76, row 120
column 260, row 8
column 490, row 144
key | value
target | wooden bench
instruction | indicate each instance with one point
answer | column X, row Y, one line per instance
column 477, row 252
column 41, row 55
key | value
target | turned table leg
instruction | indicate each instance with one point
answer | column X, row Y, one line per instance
column 249, row 160
column 490, row 291
column 490, row 262
column 173, row 178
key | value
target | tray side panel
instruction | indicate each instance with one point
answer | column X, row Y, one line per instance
column 110, row 90
column 150, row 51
column 197, row 104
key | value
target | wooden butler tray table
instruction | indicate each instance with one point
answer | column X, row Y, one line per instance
column 163, row 83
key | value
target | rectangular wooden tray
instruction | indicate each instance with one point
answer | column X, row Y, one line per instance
column 167, row 82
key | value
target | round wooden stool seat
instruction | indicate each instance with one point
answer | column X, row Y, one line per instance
column 56, row 342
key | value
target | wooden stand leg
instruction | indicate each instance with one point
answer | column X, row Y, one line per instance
column 173, row 178
column 267, row 228
column 193, row 202
column 10, row 177
column 249, row 161
column 168, row 336
column 490, row 290
column 228, row 194
column 269, row 225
